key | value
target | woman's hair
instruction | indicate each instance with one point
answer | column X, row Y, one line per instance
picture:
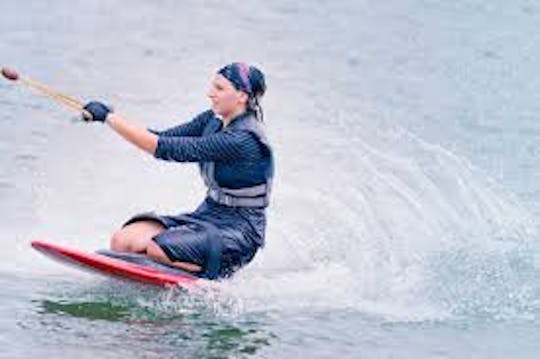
column 250, row 80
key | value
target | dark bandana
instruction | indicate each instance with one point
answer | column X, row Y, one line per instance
column 238, row 74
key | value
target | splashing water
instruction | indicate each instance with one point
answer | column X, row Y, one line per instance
column 391, row 225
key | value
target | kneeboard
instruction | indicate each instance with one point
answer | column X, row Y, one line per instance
column 135, row 267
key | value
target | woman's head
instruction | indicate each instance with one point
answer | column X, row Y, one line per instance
column 236, row 88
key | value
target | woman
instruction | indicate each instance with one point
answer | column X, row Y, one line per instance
column 236, row 163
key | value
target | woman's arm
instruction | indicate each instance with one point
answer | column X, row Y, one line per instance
column 222, row 146
column 147, row 139
column 135, row 134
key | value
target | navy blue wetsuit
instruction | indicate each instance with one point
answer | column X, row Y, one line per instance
column 232, row 233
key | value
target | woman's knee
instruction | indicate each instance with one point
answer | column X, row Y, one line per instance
column 135, row 237
column 119, row 241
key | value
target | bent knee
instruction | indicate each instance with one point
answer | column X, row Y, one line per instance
column 119, row 242
column 135, row 237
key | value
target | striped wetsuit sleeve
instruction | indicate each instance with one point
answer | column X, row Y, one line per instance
column 224, row 146
column 194, row 127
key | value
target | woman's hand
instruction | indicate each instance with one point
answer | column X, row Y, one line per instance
column 98, row 110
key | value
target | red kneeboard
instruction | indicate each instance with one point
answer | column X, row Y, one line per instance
column 115, row 267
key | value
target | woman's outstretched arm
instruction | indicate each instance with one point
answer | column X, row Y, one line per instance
column 134, row 133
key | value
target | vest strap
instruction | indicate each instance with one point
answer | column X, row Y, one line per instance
column 232, row 201
column 254, row 191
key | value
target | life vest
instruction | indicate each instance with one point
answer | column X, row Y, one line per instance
column 256, row 195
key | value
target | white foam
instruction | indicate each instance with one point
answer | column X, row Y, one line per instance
column 390, row 225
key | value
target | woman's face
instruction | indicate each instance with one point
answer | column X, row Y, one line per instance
column 226, row 100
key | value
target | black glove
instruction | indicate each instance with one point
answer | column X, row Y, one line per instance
column 98, row 111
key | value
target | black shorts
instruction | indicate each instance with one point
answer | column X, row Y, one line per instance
column 186, row 241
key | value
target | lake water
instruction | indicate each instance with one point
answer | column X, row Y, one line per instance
column 404, row 221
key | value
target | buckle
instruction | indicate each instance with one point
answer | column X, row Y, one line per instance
column 221, row 197
column 227, row 200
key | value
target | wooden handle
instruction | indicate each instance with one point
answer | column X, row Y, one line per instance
column 66, row 100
